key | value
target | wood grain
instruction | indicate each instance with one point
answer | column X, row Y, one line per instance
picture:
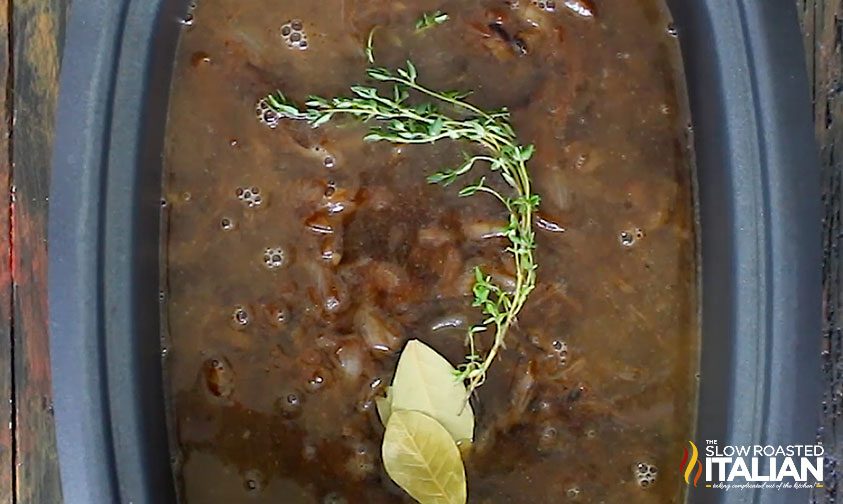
column 38, row 31
column 6, row 383
column 822, row 23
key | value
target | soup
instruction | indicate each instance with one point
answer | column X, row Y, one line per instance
column 301, row 260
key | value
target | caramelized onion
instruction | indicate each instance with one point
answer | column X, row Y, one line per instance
column 380, row 335
column 351, row 357
column 481, row 230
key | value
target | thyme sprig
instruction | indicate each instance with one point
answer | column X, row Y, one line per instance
column 401, row 122
column 430, row 19
column 370, row 49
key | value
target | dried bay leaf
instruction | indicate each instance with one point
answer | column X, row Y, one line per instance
column 421, row 457
column 384, row 405
column 424, row 382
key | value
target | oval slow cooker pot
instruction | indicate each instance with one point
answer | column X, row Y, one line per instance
column 759, row 207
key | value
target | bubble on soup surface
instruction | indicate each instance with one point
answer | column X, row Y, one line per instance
column 290, row 404
column 251, row 197
column 227, row 224
column 626, row 238
column 645, row 474
column 200, row 57
column 266, row 115
column 548, row 438
column 294, row 35
column 241, row 317
column 274, row 258
column 672, row 30
column 280, row 316
column 316, row 381
column 561, row 350
column 253, row 481
column 365, row 406
column 545, row 5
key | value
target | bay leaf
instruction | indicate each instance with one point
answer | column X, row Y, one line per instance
column 422, row 458
column 384, row 405
column 424, row 381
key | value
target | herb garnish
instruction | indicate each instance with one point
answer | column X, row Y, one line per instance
column 370, row 51
column 430, row 19
column 403, row 123
column 426, row 421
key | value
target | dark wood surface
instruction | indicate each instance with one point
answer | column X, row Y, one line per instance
column 37, row 29
column 30, row 48
column 822, row 26
column 7, row 447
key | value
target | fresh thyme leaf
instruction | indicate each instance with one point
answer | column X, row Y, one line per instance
column 443, row 177
column 370, row 49
column 471, row 190
column 398, row 122
column 525, row 153
column 430, row 19
column 379, row 73
column 411, row 71
column 436, row 127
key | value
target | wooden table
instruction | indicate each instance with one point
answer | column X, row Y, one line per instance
column 30, row 48
column 30, row 45
column 822, row 22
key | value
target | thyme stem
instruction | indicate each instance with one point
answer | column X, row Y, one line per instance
column 399, row 122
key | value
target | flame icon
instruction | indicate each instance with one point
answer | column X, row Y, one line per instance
column 688, row 466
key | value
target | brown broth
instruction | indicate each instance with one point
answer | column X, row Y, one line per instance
column 271, row 384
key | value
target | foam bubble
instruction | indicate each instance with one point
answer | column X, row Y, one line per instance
column 266, row 115
column 645, row 474
column 253, row 481
column 545, row 5
column 290, row 404
column 274, row 258
column 241, row 317
column 227, row 224
column 561, row 349
column 294, row 35
column 672, row 30
column 630, row 237
column 316, row 381
column 251, row 197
